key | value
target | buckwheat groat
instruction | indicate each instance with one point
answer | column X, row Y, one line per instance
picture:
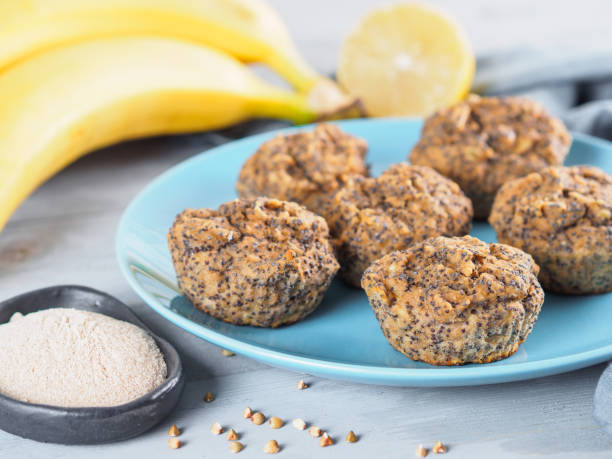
column 306, row 167
column 483, row 142
column 451, row 301
column 370, row 217
column 562, row 216
column 260, row 262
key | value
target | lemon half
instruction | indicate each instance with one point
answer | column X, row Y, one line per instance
column 406, row 59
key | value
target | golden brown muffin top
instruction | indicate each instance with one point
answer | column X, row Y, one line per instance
column 294, row 167
column 495, row 127
column 252, row 234
column 555, row 203
column 260, row 262
column 483, row 142
column 405, row 202
column 370, row 217
column 449, row 280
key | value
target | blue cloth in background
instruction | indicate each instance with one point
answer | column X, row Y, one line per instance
column 575, row 87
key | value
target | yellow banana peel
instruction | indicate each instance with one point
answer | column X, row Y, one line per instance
column 58, row 105
column 249, row 30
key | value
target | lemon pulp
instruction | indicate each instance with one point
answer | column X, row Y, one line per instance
column 407, row 59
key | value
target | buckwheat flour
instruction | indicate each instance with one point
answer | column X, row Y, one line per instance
column 74, row 358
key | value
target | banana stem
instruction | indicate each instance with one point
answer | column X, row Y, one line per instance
column 324, row 101
column 281, row 104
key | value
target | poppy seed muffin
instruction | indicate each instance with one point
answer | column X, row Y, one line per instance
column 451, row 301
column 562, row 216
column 482, row 142
column 370, row 217
column 306, row 167
column 259, row 262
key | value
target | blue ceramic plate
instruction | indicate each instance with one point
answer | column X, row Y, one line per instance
column 342, row 338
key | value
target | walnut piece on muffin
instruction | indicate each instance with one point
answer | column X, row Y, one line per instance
column 451, row 301
column 371, row 217
column 562, row 216
column 482, row 142
column 259, row 262
column 306, row 167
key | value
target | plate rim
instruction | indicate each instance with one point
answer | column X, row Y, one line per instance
column 440, row 376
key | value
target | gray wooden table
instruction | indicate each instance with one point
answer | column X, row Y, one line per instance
column 64, row 234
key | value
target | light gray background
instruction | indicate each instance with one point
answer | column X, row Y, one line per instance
column 65, row 234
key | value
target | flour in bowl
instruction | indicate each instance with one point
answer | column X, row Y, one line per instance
column 73, row 358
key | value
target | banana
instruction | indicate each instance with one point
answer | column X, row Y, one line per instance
column 250, row 30
column 58, row 105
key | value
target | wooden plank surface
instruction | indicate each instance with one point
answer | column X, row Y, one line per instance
column 64, row 234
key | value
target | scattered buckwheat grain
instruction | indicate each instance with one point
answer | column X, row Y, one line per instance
column 247, row 413
column 314, row 431
column 258, row 418
column 302, row 385
column 276, row 422
column 174, row 431
column 421, row 451
column 299, row 424
column 438, row 448
column 326, row 440
column 174, row 443
column 351, row 437
column 232, row 435
column 235, row 447
column 209, row 397
column 271, row 447
column 227, row 353
column 216, row 428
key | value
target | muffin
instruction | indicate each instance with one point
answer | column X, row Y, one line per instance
column 306, row 167
column 370, row 217
column 562, row 216
column 451, row 301
column 483, row 142
column 259, row 262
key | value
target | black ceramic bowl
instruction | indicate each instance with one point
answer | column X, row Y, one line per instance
column 88, row 425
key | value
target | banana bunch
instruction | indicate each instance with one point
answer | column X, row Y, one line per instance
column 79, row 75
